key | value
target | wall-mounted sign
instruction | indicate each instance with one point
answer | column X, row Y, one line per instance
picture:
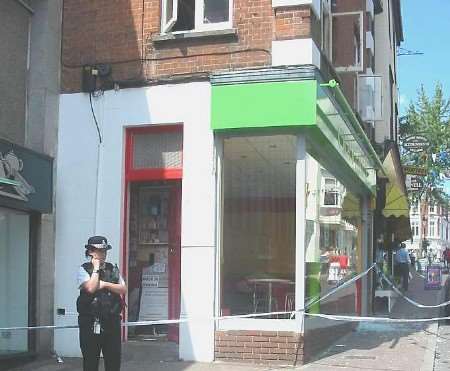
column 414, row 183
column 415, row 170
column 415, row 143
column 26, row 178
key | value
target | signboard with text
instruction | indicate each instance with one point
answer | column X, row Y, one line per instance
column 415, row 170
column 413, row 183
column 416, row 143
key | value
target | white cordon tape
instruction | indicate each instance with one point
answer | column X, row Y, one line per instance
column 345, row 284
column 409, row 300
column 291, row 313
column 374, row 319
column 150, row 323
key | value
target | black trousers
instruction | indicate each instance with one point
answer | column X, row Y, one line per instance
column 404, row 274
column 108, row 342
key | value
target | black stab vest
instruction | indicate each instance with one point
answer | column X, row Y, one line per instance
column 102, row 304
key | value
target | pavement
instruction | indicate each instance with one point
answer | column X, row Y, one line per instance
column 370, row 347
column 390, row 346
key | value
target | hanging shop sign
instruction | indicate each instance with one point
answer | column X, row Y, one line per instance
column 415, row 143
column 25, row 178
column 415, row 170
column 414, row 183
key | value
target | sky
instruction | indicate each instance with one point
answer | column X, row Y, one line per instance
column 426, row 28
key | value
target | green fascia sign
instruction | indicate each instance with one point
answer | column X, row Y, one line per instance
column 302, row 104
column 262, row 105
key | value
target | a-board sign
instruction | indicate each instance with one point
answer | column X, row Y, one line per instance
column 434, row 277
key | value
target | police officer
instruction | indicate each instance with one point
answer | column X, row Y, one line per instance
column 99, row 306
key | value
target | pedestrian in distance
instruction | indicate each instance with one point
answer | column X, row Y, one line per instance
column 403, row 262
column 99, row 306
column 446, row 256
column 412, row 257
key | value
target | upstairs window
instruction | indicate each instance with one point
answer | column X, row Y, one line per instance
column 331, row 194
column 415, row 229
column 431, row 227
column 347, row 56
column 415, row 207
column 432, row 208
column 195, row 15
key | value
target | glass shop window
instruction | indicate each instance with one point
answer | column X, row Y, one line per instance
column 258, row 249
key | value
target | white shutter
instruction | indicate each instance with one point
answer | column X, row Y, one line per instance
column 169, row 14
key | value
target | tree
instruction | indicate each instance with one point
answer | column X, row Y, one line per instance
column 429, row 117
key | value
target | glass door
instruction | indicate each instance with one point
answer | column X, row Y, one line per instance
column 14, row 278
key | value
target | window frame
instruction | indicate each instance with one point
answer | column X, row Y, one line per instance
column 336, row 192
column 360, row 66
column 326, row 17
column 199, row 24
column 431, row 228
column 167, row 25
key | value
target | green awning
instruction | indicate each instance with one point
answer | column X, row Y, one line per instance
column 334, row 135
column 260, row 105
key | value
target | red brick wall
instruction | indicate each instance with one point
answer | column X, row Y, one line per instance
column 277, row 347
column 120, row 32
column 292, row 23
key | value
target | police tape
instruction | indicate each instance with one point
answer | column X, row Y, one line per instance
column 291, row 314
column 409, row 300
column 341, row 286
column 333, row 317
column 152, row 323
column 345, row 318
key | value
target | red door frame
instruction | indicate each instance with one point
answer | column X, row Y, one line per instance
column 141, row 175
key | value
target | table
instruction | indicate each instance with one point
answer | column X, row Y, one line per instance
column 391, row 295
column 269, row 282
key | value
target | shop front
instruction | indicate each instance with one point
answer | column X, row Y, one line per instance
column 25, row 193
column 296, row 178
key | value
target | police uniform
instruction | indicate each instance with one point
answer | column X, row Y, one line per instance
column 99, row 318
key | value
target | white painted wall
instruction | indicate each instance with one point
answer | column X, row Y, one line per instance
column 295, row 52
column 75, row 197
column 315, row 4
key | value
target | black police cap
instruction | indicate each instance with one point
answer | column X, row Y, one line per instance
column 98, row 242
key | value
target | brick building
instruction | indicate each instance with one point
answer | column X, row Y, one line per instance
column 209, row 141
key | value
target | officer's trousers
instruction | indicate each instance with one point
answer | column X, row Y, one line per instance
column 108, row 342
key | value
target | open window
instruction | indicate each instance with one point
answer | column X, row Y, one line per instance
column 195, row 15
column 169, row 14
column 347, row 56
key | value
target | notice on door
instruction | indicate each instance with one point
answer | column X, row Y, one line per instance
column 154, row 294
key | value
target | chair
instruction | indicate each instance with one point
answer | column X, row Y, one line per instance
column 289, row 302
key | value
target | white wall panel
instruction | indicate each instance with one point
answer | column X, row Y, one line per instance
column 77, row 216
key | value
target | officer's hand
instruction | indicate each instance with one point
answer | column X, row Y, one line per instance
column 103, row 285
column 95, row 263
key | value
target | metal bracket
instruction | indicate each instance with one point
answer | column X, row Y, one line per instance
column 331, row 84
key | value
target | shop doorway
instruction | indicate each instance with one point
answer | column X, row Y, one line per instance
column 154, row 252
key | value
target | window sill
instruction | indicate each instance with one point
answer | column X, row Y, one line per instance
column 194, row 35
